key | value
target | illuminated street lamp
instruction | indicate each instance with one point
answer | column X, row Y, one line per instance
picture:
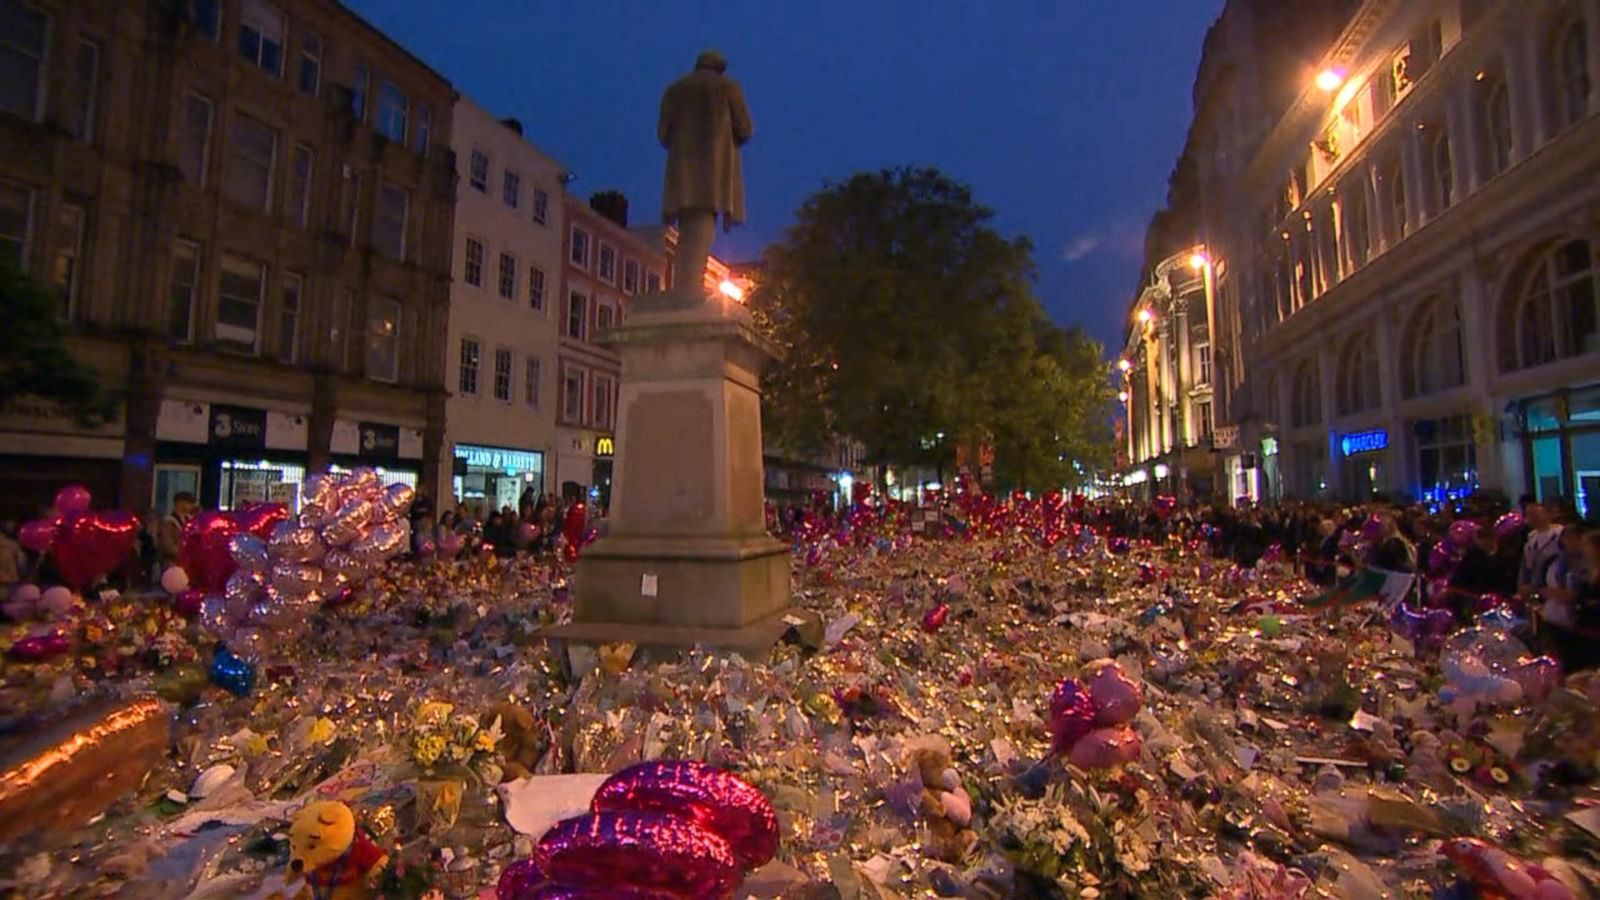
column 1329, row 80
column 1198, row 261
column 1123, row 396
column 1145, row 317
column 1124, row 365
column 731, row 291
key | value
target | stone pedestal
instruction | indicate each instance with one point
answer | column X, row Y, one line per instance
column 687, row 558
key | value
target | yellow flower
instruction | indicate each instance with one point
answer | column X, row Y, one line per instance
column 256, row 746
column 484, row 742
column 431, row 713
column 321, row 731
column 429, row 749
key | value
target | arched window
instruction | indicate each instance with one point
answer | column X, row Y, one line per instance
column 1550, row 309
column 1494, row 122
column 1431, row 352
column 1357, row 234
column 1569, row 73
column 1440, row 162
column 1358, row 377
column 1305, row 407
column 1392, row 194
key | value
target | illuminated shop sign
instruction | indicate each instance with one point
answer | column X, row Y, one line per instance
column 605, row 446
column 1364, row 442
column 498, row 458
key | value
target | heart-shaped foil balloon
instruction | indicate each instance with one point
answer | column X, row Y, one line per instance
column 1106, row 748
column 719, row 801
column 1117, row 697
column 90, row 545
column 1072, row 715
column 616, row 851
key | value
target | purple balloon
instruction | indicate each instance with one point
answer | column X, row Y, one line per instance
column 621, row 850
column 1508, row 525
column 1372, row 528
column 1441, row 561
column 1422, row 627
column 40, row 647
column 1072, row 715
column 519, row 881
column 1462, row 532
column 71, row 499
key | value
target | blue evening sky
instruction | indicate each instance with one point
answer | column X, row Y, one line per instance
column 1065, row 116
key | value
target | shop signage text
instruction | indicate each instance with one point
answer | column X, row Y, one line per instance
column 498, row 458
column 605, row 445
column 1364, row 442
column 237, row 426
column 378, row 440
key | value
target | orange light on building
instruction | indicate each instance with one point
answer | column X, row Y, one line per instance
column 1198, row 261
column 732, row 291
column 1145, row 316
column 1124, row 365
column 1329, row 80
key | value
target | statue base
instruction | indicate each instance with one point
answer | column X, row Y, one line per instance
column 687, row 559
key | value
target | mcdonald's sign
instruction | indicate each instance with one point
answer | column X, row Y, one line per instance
column 605, row 445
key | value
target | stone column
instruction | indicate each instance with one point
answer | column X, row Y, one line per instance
column 1328, row 381
column 1394, row 457
column 1412, row 154
column 1464, row 151
column 1479, row 336
column 1181, row 383
column 319, row 428
column 147, row 380
column 1379, row 238
column 1528, row 110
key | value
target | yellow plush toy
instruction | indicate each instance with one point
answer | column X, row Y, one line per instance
column 337, row 859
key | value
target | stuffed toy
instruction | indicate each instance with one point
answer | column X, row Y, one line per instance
column 337, row 859
column 944, row 805
column 521, row 741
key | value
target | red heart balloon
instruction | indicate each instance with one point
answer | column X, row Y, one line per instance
column 572, row 525
column 648, row 850
column 260, row 519
column 721, row 802
column 90, row 545
column 203, row 551
column 934, row 619
column 39, row 534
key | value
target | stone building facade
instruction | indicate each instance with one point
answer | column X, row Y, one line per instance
column 246, row 208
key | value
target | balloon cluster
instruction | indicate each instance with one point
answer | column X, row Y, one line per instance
column 666, row 829
column 575, row 531
column 1483, row 667
column 1090, row 724
column 84, row 545
column 1424, row 628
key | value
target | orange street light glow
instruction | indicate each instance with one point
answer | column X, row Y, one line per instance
column 1198, row 261
column 731, row 291
column 1145, row 317
column 1328, row 80
column 1124, row 365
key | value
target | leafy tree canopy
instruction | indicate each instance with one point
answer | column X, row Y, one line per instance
column 34, row 360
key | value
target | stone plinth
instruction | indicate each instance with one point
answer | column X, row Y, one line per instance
column 687, row 558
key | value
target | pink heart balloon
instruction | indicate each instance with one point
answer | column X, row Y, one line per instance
column 1117, row 697
column 719, row 801
column 1072, row 715
column 73, row 498
column 90, row 545
column 1105, row 748
column 38, row 534
column 653, row 851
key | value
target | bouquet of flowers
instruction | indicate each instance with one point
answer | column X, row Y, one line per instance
column 441, row 738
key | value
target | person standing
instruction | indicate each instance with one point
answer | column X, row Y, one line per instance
column 1540, row 551
column 169, row 539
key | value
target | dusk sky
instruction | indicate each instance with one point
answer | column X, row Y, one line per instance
column 1065, row 116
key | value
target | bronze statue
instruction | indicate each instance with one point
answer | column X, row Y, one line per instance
column 704, row 122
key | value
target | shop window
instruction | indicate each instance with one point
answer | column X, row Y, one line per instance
column 1305, row 406
column 239, row 304
column 1569, row 73
column 1433, row 359
column 1358, row 377
column 1550, row 313
column 1446, row 457
column 383, row 339
column 470, row 360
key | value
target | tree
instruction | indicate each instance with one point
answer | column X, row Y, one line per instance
column 903, row 315
column 1054, row 425
column 34, row 360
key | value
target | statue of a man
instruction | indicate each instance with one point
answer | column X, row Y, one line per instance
column 703, row 124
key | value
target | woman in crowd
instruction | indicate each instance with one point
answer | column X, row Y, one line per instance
column 1572, row 614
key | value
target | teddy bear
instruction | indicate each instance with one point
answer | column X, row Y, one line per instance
column 336, row 858
column 521, row 741
column 944, row 804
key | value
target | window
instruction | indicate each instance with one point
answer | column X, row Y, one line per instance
column 339, row 333
column 354, row 182
column 389, row 226
column 16, row 218
column 289, row 318
column 630, row 276
column 208, row 18
column 469, row 367
column 251, row 148
column 1392, row 194
column 239, row 304
column 85, row 103
column 22, row 36
column 502, row 375
column 1444, row 177
column 1326, row 238
column 474, row 263
column 652, row 283
column 1305, row 405
column 310, row 63
column 360, row 86
column 530, row 383
column 67, row 272
column 1570, row 71
column 1494, row 120
column 602, row 315
column 602, row 402
column 1353, row 211
column 1418, row 56
column 261, row 35
column 572, row 395
column 300, row 185
column 1383, row 95
column 422, row 138
column 1358, row 378
column 608, row 263
column 536, row 288
column 392, row 112
column 580, row 248
column 383, row 339
column 1202, row 420
column 508, row 276
column 1446, row 456
column 1433, row 358
column 194, row 153
column 1551, row 313
column 541, row 205
column 577, row 316
column 479, row 173
column 511, row 189
column 181, row 289
column 1202, row 357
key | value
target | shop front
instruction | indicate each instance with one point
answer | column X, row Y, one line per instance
column 605, row 454
column 1560, row 436
column 491, row 478
column 1445, row 455
column 1361, row 460
column 228, row 456
column 393, row 451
